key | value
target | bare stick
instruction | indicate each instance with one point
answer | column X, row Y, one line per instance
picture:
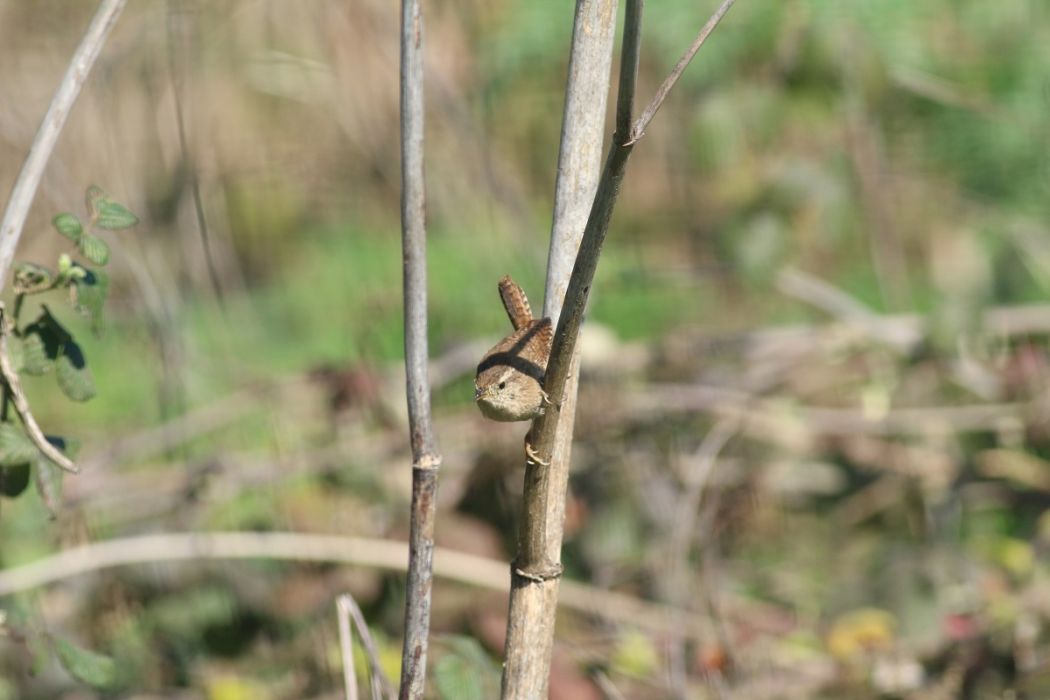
column 530, row 622
column 425, row 458
column 360, row 551
column 348, row 608
column 665, row 87
column 21, row 404
column 47, row 135
column 346, row 648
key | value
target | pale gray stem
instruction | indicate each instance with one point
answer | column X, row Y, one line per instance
column 425, row 458
column 537, row 569
column 582, row 136
column 25, row 187
column 349, row 610
column 530, row 622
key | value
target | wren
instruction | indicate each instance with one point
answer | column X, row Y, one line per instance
column 509, row 382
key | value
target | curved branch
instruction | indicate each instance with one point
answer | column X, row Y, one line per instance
column 455, row 566
column 18, row 398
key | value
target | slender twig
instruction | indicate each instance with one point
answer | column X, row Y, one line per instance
column 188, row 161
column 50, row 127
column 346, row 649
column 426, row 461
column 608, row 688
column 388, row 555
column 665, row 87
column 21, row 404
column 379, row 684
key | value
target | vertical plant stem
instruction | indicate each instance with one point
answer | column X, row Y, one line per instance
column 25, row 187
column 530, row 625
column 425, row 459
column 537, row 570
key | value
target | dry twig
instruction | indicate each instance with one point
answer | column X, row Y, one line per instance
column 347, row 609
column 425, row 458
column 380, row 554
column 50, row 127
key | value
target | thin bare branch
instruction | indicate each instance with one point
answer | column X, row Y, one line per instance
column 25, row 187
column 665, row 87
column 381, row 554
column 378, row 682
column 21, row 404
column 346, row 648
column 425, row 458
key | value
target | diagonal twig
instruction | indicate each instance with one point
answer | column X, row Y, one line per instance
column 638, row 130
column 50, row 127
column 21, row 404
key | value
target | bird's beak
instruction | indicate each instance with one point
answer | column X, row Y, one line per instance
column 477, row 393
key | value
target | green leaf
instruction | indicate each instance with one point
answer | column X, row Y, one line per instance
column 35, row 361
column 92, row 668
column 69, row 226
column 30, row 277
column 113, row 216
column 105, row 213
column 49, row 333
column 15, row 446
column 94, row 249
column 466, row 672
column 93, row 197
column 74, row 377
column 89, row 296
column 14, row 480
column 47, row 477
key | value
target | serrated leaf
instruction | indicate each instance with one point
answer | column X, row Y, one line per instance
column 14, row 480
column 15, row 446
column 47, row 476
column 93, row 195
column 35, row 361
column 74, row 377
column 94, row 249
column 94, row 669
column 69, row 226
column 113, row 216
column 49, row 332
column 89, row 296
column 30, row 277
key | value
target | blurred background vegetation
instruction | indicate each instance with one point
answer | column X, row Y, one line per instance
column 814, row 395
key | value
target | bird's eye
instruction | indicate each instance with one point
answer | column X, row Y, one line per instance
column 503, row 385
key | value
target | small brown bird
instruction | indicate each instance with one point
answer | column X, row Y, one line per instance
column 509, row 382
